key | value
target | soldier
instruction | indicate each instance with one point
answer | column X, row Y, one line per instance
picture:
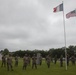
column 61, row 61
column 3, row 61
column 73, row 60
column 9, row 63
column 16, row 61
column 48, row 60
column 67, row 60
column 40, row 59
column 25, row 61
column 52, row 59
column 55, row 59
column 34, row 58
column 29, row 60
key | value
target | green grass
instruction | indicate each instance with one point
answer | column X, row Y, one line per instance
column 41, row 70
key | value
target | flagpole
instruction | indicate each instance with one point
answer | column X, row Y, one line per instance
column 64, row 37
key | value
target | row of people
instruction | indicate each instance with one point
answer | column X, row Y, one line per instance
column 27, row 60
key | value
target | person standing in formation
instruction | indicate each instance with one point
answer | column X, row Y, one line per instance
column 48, row 59
column 55, row 59
column 25, row 62
column 73, row 60
column 3, row 61
column 9, row 63
column 16, row 60
column 34, row 58
column 67, row 60
column 61, row 61
column 40, row 59
column 29, row 60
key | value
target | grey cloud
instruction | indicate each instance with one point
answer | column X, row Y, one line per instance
column 31, row 24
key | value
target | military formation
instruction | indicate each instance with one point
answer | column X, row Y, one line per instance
column 7, row 61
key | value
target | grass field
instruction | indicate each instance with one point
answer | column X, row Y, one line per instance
column 41, row 70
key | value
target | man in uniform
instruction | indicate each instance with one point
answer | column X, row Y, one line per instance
column 55, row 59
column 67, row 60
column 3, row 61
column 25, row 61
column 40, row 59
column 34, row 58
column 48, row 60
column 61, row 61
column 29, row 60
column 73, row 60
column 9, row 63
column 16, row 60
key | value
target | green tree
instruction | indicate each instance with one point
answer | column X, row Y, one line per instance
column 6, row 51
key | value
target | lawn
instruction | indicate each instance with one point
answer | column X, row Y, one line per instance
column 54, row 69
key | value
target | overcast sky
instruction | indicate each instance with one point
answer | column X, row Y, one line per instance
column 31, row 24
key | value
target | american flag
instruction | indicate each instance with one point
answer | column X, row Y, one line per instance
column 71, row 14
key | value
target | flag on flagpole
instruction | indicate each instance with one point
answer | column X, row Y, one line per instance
column 58, row 8
column 71, row 14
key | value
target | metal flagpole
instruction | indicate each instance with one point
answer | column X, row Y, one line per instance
column 65, row 38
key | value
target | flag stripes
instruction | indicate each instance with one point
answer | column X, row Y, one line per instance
column 58, row 8
column 71, row 14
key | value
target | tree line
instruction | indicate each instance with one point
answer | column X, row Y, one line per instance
column 71, row 50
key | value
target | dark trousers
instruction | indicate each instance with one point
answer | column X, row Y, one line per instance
column 40, row 62
column 24, row 66
column 55, row 61
column 34, row 64
column 9, row 66
column 61, row 63
column 48, row 64
column 67, row 63
column 3, row 64
column 73, row 62
column 16, row 63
